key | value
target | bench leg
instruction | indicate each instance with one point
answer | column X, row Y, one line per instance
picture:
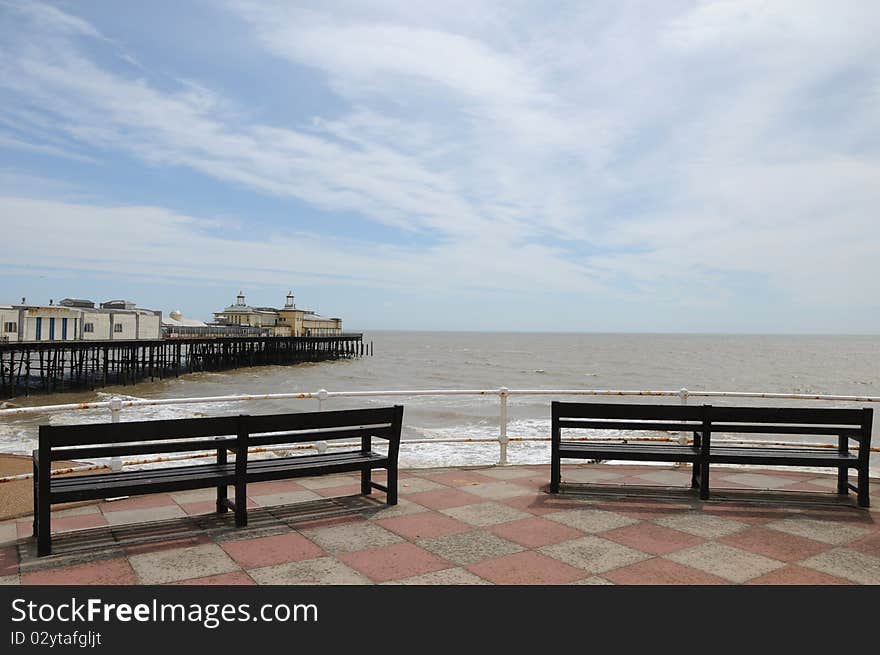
column 392, row 486
column 864, row 498
column 695, row 475
column 704, row 480
column 241, row 518
column 843, row 480
column 222, row 495
column 36, row 502
column 44, row 527
column 555, row 474
column 366, row 478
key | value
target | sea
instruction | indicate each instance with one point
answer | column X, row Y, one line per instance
column 805, row 364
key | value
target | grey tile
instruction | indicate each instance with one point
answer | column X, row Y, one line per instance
column 590, row 520
column 417, row 485
column 701, row 525
column 594, row 580
column 328, row 481
column 349, row 537
column 8, row 532
column 182, row 564
column 498, row 490
column 320, row 571
column 6, row 580
column 287, row 498
column 507, row 472
column 456, row 576
column 483, row 514
column 404, row 507
column 849, row 564
column 759, row 481
column 829, row 532
column 197, row 495
column 726, row 562
column 588, row 475
column 594, row 554
column 465, row 548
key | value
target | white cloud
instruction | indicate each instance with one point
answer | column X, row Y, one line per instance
column 643, row 151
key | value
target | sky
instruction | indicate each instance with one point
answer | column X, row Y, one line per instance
column 669, row 166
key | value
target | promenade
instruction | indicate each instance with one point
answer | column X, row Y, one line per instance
column 475, row 525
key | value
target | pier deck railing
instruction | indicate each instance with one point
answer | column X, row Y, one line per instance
column 115, row 407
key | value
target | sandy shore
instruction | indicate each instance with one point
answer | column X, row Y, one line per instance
column 17, row 498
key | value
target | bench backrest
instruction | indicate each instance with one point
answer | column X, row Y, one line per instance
column 90, row 440
column 627, row 416
column 818, row 421
column 364, row 424
column 848, row 423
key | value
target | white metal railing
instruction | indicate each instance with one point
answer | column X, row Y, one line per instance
column 116, row 405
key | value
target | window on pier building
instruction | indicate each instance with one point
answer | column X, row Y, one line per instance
column 117, row 327
column 10, row 327
column 88, row 327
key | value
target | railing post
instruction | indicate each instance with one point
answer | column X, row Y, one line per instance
column 683, row 439
column 115, row 411
column 502, row 434
column 321, row 446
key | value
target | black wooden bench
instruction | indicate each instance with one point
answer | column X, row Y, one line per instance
column 706, row 422
column 220, row 434
column 845, row 424
column 629, row 418
column 364, row 424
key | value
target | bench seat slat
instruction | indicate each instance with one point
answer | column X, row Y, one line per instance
column 593, row 424
column 818, row 430
column 306, row 465
column 635, row 451
column 782, row 456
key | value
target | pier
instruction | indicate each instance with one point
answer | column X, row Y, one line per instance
column 51, row 367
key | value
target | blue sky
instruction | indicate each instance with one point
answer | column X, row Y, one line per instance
column 584, row 166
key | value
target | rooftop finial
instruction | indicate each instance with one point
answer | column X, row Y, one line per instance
column 289, row 303
column 239, row 299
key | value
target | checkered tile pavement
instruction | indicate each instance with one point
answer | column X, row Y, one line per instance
column 492, row 525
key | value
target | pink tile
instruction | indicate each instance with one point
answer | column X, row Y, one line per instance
column 104, row 572
column 8, row 560
column 526, row 568
column 235, row 578
column 137, row 502
column 659, row 571
column 796, row 575
column 394, row 562
column 423, row 525
column 652, row 538
column 343, row 490
column 774, row 544
column 64, row 523
column 275, row 549
column 535, row 532
column 444, row 498
column 459, row 478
